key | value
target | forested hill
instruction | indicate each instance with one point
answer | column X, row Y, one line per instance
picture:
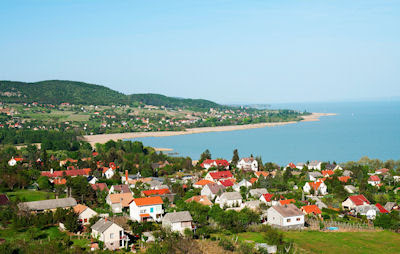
column 59, row 91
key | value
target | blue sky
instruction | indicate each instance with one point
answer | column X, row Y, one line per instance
column 226, row 51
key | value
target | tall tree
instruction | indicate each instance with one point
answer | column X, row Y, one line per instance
column 205, row 155
column 235, row 157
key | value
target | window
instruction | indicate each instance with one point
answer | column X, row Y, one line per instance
column 85, row 220
column 120, row 233
column 151, row 209
column 288, row 220
column 298, row 219
column 143, row 211
column 111, row 235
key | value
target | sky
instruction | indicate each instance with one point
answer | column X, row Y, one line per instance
column 252, row 51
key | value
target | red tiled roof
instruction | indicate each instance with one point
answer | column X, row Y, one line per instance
column 268, row 197
column 263, row 173
column 382, row 170
column 292, row 165
column 253, row 180
column 60, row 181
column 381, row 208
column 344, row 179
column 203, row 199
column 156, row 192
column 287, row 201
column 100, row 186
column 327, row 172
column 219, row 163
column 374, row 178
column 311, row 209
column 226, row 183
column 359, row 199
column 221, row 174
column 315, row 185
column 203, row 182
column 148, row 201
column 19, row 159
column 73, row 172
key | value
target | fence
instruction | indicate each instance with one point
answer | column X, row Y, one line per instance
column 343, row 226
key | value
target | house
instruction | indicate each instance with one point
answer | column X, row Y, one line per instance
column 71, row 172
column 256, row 193
column 369, row 211
column 226, row 183
column 100, row 187
column 243, row 183
column 284, row 202
column 248, row 164
column 64, row 162
column 267, row 199
column 119, row 201
column 201, row 199
column 108, row 172
column 214, row 164
column 381, row 208
column 311, row 209
column 201, row 183
column 347, row 173
column 253, row 180
column 47, row 205
column 344, row 179
column 261, row 173
column 145, row 209
column 317, row 187
column 300, row 165
column 333, row 167
column 13, row 161
column 84, row 213
column 177, row 221
column 229, row 199
column 391, row 206
column 111, row 234
column 216, row 176
column 382, row 171
column 313, row 176
column 314, row 165
column 122, row 188
column 291, row 165
column 287, row 216
column 374, row 180
column 212, row 190
column 92, row 179
column 160, row 192
column 354, row 201
column 327, row 173
column 4, row 199
column 350, row 189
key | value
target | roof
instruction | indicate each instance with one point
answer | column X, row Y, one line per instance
column 177, row 217
column 4, row 199
column 315, row 174
column 261, row 173
column 231, row 195
column 268, row 197
column 248, row 159
column 123, row 198
column 311, row 209
column 72, row 172
column 253, row 180
column 102, row 225
column 221, row 174
column 292, row 165
column 99, row 186
column 381, row 208
column 315, row 185
column 259, row 191
column 327, row 172
column 156, row 192
column 382, row 170
column 287, row 201
column 201, row 199
column 374, row 178
column 124, row 188
column 148, row 201
column 313, row 163
column 144, row 215
column 218, row 163
column 226, row 183
column 79, row 208
column 359, row 199
column 60, row 181
column 289, row 210
column 48, row 204
column 215, row 188
column 203, row 182
column 344, row 179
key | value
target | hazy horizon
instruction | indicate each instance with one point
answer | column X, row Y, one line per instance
column 229, row 52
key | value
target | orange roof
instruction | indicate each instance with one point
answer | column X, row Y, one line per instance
column 263, row 173
column 60, row 181
column 315, row 185
column 145, row 215
column 311, row 209
column 203, row 182
column 123, row 198
column 156, row 192
column 286, row 201
column 327, row 172
column 79, row 208
column 202, row 199
column 148, row 201
column 344, row 178
column 253, row 180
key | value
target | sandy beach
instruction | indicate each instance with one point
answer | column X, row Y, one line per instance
column 102, row 138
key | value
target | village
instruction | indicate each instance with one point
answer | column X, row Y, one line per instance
column 117, row 208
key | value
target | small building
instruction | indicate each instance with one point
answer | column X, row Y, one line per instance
column 13, row 161
column 370, row 211
column 200, row 184
column 84, row 213
column 267, row 199
column 243, row 183
column 178, row 221
column 318, row 187
column 256, row 193
column 201, row 199
column 314, row 165
column 216, row 176
column 119, row 201
column 212, row 190
column 382, row 171
column 47, row 205
column 248, row 164
column 100, row 187
column 311, row 209
column 287, row 216
column 215, row 164
column 111, row 234
column 122, row 188
column 333, row 167
column 313, row 176
column 354, row 201
column 374, row 180
column 229, row 199
column 145, row 209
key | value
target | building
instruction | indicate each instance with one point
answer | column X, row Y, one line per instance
column 111, row 234
column 313, row 176
column 333, row 167
column 374, row 180
column 354, row 201
column 47, row 205
column 315, row 165
column 248, row 164
column 287, row 216
column 144, row 209
column 212, row 190
column 62, row 173
column 243, row 183
column 256, row 193
column 215, row 164
column 229, row 199
column 119, row 201
column 317, row 187
column 84, row 213
column 177, row 221
column 267, row 199
column 13, row 161
column 122, row 188
column 382, row 171
column 100, row 187
column 216, row 176
column 311, row 209
column 160, row 192
column 201, row 183
column 350, row 189
column 201, row 199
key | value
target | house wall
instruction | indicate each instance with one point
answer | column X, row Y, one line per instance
column 86, row 215
column 112, row 236
column 155, row 211
column 348, row 204
column 275, row 218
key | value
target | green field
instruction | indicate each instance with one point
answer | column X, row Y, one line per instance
column 338, row 242
column 31, row 234
column 30, row 195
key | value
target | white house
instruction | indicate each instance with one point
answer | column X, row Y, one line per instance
column 144, row 209
column 374, row 180
column 368, row 210
column 229, row 199
column 84, row 213
column 315, row 165
column 110, row 233
column 13, row 161
column 267, row 199
column 212, row 190
column 286, row 216
column 248, row 164
column 258, row 192
column 300, row 165
column 108, row 173
column 313, row 176
column 350, row 189
column 396, row 178
column 243, row 183
column 353, row 201
column 216, row 176
column 177, row 221
column 318, row 187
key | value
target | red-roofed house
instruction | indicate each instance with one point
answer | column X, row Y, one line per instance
column 201, row 183
column 311, row 209
column 291, row 166
column 159, row 192
column 381, row 208
column 61, row 181
column 261, row 173
column 72, row 173
column 327, row 173
column 287, row 201
column 382, row 171
column 215, row 163
column 248, row 164
column 100, row 187
column 267, row 198
column 374, row 180
column 253, row 180
column 218, row 176
column 354, row 201
column 13, row 161
column 344, row 179
column 226, row 183
column 318, row 186
column 63, row 162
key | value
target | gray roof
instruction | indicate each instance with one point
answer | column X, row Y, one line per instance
column 177, row 217
column 154, row 183
column 389, row 206
column 48, row 204
column 102, row 225
column 315, row 174
column 314, row 163
column 124, row 188
column 252, row 204
column 258, row 191
column 231, row 195
column 288, row 210
column 347, row 173
column 363, row 209
column 215, row 188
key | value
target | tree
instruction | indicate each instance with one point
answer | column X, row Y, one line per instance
column 206, row 155
column 235, row 157
column 71, row 221
column 43, row 183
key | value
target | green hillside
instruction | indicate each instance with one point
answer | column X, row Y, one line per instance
column 59, row 91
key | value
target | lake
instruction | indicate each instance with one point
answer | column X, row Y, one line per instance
column 360, row 129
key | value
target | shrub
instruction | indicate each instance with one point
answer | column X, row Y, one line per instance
column 226, row 245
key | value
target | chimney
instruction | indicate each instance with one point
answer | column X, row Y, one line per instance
column 51, row 171
column 105, row 219
column 126, row 176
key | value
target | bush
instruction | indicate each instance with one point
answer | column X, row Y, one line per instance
column 226, row 244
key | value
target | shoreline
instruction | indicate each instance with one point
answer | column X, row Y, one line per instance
column 103, row 138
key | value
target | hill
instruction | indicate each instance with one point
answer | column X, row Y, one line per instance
column 59, row 91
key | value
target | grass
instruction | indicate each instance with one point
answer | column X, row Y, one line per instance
column 34, row 233
column 30, row 195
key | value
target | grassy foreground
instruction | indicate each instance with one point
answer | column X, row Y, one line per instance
column 30, row 195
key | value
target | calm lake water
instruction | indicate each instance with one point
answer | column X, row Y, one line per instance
column 360, row 129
